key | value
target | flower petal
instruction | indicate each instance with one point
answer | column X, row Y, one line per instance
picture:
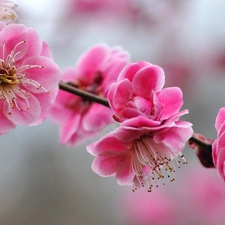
column 90, row 63
column 119, row 94
column 107, row 143
column 97, row 117
column 69, row 128
column 171, row 98
column 108, row 162
column 147, row 79
column 131, row 69
column 25, row 117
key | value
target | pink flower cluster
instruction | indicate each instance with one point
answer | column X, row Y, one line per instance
column 94, row 72
column 150, row 133
column 218, row 147
column 28, row 77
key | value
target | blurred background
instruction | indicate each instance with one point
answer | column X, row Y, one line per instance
column 43, row 183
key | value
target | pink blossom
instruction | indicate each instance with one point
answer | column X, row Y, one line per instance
column 218, row 147
column 7, row 12
column 198, row 198
column 138, row 92
column 150, row 133
column 28, row 77
column 94, row 72
column 146, row 209
column 93, row 7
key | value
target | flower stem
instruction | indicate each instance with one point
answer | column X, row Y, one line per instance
column 69, row 87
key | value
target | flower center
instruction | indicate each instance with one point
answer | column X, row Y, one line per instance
column 11, row 78
column 151, row 160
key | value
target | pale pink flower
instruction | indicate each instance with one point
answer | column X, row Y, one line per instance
column 150, row 135
column 7, row 12
column 94, row 72
column 28, row 77
column 218, row 147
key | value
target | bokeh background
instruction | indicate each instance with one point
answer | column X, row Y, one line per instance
column 43, row 183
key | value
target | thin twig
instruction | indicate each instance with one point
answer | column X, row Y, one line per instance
column 86, row 95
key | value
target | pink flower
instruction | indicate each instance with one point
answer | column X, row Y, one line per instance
column 7, row 12
column 92, row 7
column 142, row 208
column 28, row 77
column 198, row 198
column 94, row 72
column 218, row 147
column 150, row 134
column 138, row 92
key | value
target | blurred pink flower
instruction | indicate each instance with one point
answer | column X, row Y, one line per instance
column 94, row 72
column 28, row 77
column 199, row 198
column 7, row 12
column 150, row 135
column 218, row 147
column 92, row 7
column 142, row 208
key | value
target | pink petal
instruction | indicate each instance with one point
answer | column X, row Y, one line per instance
column 220, row 119
column 11, row 35
column 107, row 143
column 124, row 173
column 171, row 98
column 220, row 142
column 5, row 124
column 221, row 163
column 175, row 137
column 97, row 117
column 26, row 116
column 46, row 50
column 129, row 113
column 127, row 134
column 69, row 75
column 47, row 77
column 147, row 79
column 90, row 62
column 215, row 152
column 119, row 94
column 141, row 121
column 69, row 128
column 108, row 162
column 143, row 105
column 45, row 101
column 112, row 68
column 35, row 43
column 130, row 70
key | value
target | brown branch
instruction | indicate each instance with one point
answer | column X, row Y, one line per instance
column 86, row 95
